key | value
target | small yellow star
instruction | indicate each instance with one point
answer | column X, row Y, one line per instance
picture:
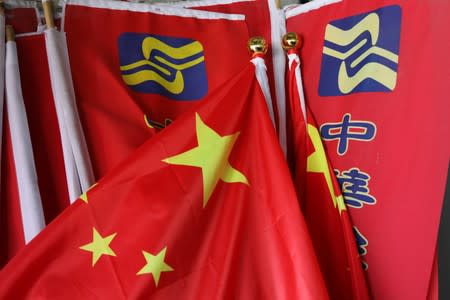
column 84, row 195
column 211, row 155
column 99, row 246
column 155, row 265
column 317, row 163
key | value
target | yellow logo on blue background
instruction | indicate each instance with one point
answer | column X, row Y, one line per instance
column 169, row 66
column 360, row 53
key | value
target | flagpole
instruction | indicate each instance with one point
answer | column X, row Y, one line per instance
column 27, row 182
column 278, row 3
column 9, row 34
column 48, row 14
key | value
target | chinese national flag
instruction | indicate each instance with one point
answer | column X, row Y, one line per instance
column 321, row 199
column 137, row 66
column 204, row 210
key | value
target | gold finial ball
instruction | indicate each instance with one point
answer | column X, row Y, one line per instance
column 291, row 41
column 257, row 45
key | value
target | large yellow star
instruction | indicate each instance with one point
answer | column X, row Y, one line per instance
column 99, row 246
column 155, row 265
column 317, row 162
column 211, row 155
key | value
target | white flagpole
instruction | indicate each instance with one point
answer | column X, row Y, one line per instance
column 30, row 198
column 64, row 96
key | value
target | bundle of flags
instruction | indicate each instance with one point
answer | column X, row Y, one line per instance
column 224, row 149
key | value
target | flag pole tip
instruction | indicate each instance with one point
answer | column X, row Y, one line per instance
column 291, row 41
column 48, row 14
column 10, row 35
column 257, row 46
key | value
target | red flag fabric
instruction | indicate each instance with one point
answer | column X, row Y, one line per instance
column 433, row 288
column 140, row 65
column 11, row 228
column 322, row 203
column 22, row 15
column 189, row 215
column 263, row 19
column 373, row 79
column 296, row 127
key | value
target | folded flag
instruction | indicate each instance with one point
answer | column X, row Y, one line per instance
column 205, row 209
column 321, row 200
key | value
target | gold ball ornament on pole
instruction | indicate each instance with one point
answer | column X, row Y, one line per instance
column 257, row 46
column 291, row 41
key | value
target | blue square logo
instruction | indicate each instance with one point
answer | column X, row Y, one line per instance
column 360, row 53
column 168, row 66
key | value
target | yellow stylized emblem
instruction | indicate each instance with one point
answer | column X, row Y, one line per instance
column 374, row 70
column 167, row 68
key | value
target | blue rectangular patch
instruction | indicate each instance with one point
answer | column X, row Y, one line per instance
column 360, row 53
column 168, row 66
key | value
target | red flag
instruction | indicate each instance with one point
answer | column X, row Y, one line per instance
column 136, row 65
column 321, row 199
column 11, row 228
column 374, row 82
column 188, row 216
column 22, row 15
